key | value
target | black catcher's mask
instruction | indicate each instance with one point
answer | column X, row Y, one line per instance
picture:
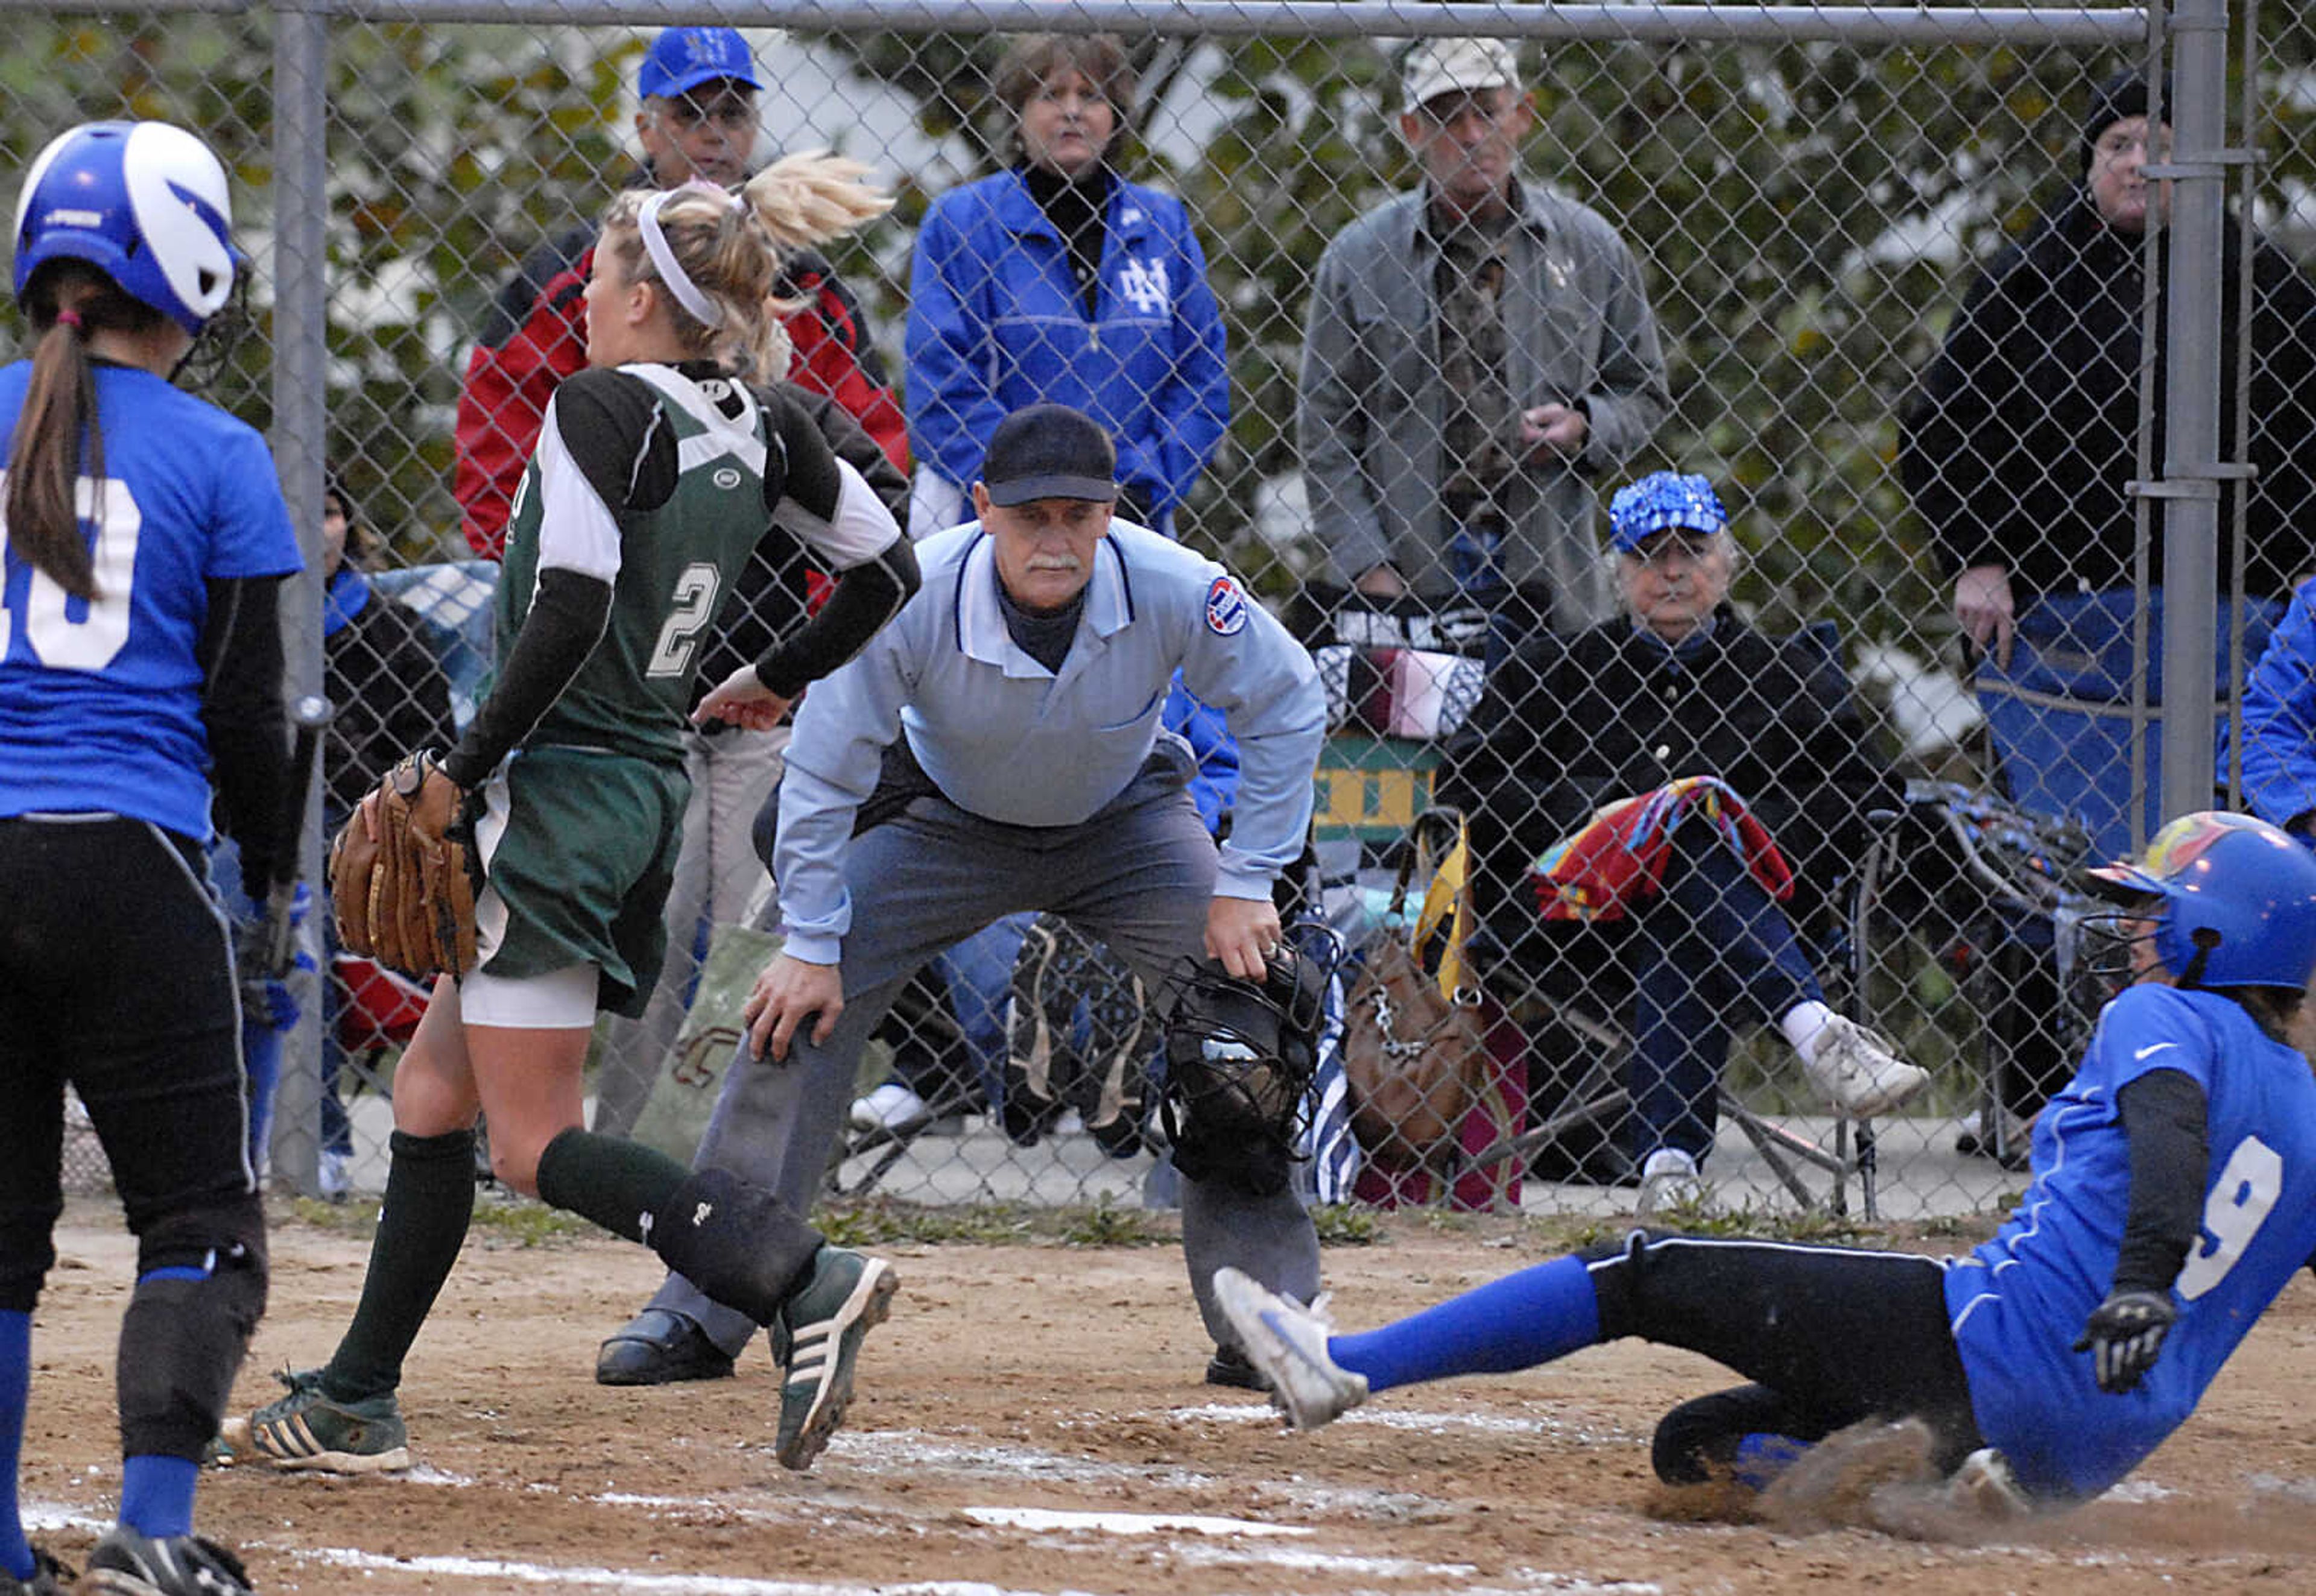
column 1240, row 1056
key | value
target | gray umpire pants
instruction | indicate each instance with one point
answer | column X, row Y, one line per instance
column 1139, row 876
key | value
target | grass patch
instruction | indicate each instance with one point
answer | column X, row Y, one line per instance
column 500, row 1219
column 1340, row 1225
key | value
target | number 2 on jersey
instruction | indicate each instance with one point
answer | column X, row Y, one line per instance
column 2248, row 1187
column 695, row 606
column 91, row 642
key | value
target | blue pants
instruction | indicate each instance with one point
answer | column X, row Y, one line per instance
column 1139, row 876
column 1711, row 951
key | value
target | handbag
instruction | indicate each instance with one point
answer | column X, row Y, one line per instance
column 1414, row 1047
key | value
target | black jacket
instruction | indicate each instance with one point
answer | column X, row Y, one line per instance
column 2021, row 434
column 388, row 695
column 1569, row 724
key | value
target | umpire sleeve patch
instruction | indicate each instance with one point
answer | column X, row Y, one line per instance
column 1225, row 607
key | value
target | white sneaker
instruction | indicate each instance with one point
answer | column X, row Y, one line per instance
column 1985, row 1488
column 1288, row 1343
column 1859, row 1072
column 890, row 1105
column 1668, row 1179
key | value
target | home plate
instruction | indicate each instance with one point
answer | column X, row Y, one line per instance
column 1118, row 1523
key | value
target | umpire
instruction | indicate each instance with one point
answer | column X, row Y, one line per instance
column 998, row 749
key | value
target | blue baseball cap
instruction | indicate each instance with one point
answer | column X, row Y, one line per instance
column 1658, row 502
column 682, row 58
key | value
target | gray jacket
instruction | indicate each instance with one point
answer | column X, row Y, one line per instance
column 1370, row 409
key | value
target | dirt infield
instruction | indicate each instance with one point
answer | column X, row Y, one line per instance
column 1031, row 1420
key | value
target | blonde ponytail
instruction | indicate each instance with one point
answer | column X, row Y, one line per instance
column 731, row 250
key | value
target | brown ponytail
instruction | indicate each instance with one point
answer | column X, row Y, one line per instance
column 67, row 301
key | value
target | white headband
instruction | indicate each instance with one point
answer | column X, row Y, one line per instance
column 703, row 309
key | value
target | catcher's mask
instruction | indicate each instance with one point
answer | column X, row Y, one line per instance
column 1240, row 1056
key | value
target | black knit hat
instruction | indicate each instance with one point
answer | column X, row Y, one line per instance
column 2123, row 95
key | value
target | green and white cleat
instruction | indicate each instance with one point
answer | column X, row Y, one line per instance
column 817, row 1339
column 308, row 1430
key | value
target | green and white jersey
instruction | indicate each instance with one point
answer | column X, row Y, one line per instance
column 659, row 480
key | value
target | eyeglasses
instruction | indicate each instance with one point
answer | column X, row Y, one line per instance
column 734, row 113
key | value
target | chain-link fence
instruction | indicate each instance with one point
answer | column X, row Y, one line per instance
column 1878, row 278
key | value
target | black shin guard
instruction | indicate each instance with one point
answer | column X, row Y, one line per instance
column 430, row 1200
column 201, row 1290
column 739, row 1243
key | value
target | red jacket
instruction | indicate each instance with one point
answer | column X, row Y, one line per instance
column 536, row 336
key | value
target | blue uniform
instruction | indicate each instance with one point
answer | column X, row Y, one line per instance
column 100, row 704
column 2018, row 1302
column 996, row 322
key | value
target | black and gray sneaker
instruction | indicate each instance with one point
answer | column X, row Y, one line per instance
column 817, row 1339
column 49, row 1578
column 127, row 1564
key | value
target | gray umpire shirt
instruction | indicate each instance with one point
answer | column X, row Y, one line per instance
column 1008, row 740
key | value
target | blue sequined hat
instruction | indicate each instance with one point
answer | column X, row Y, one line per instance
column 1660, row 501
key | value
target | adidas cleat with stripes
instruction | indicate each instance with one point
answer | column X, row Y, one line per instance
column 817, row 1338
column 309, row 1429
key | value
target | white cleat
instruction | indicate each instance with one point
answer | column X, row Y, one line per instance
column 1859, row 1072
column 1985, row 1487
column 1287, row 1343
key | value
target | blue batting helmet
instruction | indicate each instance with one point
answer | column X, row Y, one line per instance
column 143, row 202
column 1658, row 502
column 2237, row 901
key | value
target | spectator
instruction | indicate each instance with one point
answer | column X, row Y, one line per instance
column 2279, row 723
column 1677, row 687
column 1058, row 280
column 1476, row 348
column 698, row 120
column 387, row 696
column 2022, row 437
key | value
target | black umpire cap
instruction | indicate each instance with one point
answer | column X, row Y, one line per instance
column 1049, row 451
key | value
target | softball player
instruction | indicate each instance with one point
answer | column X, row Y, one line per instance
column 998, row 750
column 657, row 474
column 2174, row 1196
column 141, row 647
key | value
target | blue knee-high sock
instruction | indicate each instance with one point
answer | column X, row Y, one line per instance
column 15, row 1387
column 156, row 1494
column 1516, row 1322
column 156, row 1491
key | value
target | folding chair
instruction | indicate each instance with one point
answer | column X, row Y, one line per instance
column 1597, row 1100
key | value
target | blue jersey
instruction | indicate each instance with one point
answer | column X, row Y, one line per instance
column 2019, row 1301
column 101, row 703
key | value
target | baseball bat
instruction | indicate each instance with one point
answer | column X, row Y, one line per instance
column 309, row 715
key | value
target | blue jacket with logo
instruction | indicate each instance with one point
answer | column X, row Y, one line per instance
column 996, row 322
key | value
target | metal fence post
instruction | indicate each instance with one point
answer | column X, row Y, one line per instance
column 2191, row 399
column 301, row 445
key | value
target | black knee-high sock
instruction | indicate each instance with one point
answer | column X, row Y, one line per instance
column 617, row 1183
column 429, row 1199
column 738, row 1243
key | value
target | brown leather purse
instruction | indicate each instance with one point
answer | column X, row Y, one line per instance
column 1413, row 1048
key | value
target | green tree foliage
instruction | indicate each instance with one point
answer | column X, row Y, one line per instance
column 1807, row 216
